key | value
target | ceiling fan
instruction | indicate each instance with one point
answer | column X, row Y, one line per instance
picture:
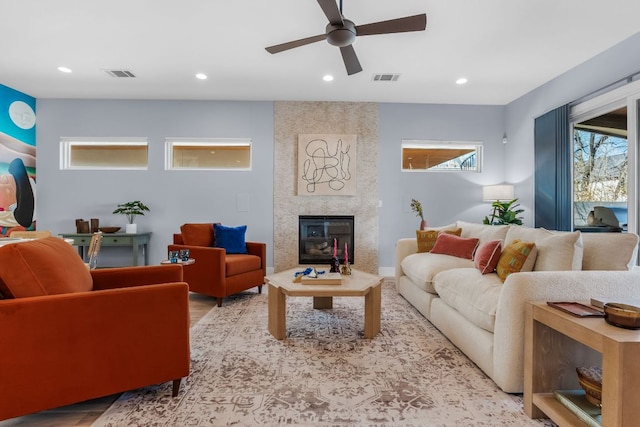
column 342, row 32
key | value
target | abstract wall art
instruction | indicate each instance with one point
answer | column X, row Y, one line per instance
column 326, row 165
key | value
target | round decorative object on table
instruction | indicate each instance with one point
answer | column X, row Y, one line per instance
column 622, row 315
column 590, row 380
column 109, row 229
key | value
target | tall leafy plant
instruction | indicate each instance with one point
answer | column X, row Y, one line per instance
column 504, row 213
column 131, row 210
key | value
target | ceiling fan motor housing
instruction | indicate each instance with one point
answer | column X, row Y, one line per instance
column 341, row 35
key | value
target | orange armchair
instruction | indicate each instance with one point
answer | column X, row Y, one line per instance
column 216, row 273
column 69, row 334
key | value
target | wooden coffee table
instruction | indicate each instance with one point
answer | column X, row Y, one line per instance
column 358, row 284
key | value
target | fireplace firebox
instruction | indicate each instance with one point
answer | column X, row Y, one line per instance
column 316, row 234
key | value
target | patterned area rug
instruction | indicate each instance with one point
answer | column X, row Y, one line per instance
column 324, row 374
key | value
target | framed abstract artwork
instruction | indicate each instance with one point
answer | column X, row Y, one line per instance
column 326, row 164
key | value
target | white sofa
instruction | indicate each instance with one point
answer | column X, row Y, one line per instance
column 484, row 317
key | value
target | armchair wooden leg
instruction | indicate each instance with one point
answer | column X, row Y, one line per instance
column 219, row 301
column 176, row 387
column 259, row 289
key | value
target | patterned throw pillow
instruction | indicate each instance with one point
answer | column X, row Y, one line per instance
column 487, row 256
column 427, row 238
column 460, row 247
column 516, row 256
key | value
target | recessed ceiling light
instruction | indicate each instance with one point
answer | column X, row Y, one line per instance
column 64, row 69
column 201, row 76
column 461, row 81
column 327, row 78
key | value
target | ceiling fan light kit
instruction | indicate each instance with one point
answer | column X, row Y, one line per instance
column 342, row 32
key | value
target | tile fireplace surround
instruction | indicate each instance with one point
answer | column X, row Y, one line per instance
column 293, row 118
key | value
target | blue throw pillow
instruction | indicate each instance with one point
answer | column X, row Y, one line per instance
column 230, row 238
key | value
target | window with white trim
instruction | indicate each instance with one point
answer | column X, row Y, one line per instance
column 429, row 155
column 207, row 154
column 104, row 153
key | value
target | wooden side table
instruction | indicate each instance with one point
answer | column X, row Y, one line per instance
column 556, row 343
column 135, row 241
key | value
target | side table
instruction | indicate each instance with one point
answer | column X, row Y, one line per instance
column 556, row 343
column 135, row 241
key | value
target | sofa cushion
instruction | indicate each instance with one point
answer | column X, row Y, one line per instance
column 473, row 294
column 42, row 267
column 232, row 239
column 421, row 268
column 241, row 263
column 559, row 252
column 609, row 251
column 427, row 238
column 448, row 244
column 487, row 256
column 483, row 232
column 515, row 257
column 197, row 234
column 562, row 252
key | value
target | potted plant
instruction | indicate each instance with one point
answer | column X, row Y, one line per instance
column 504, row 213
column 416, row 206
column 131, row 210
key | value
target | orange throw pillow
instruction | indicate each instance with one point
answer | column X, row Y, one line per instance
column 461, row 247
column 427, row 238
column 516, row 256
column 42, row 267
column 487, row 256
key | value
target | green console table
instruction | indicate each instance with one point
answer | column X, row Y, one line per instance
column 82, row 240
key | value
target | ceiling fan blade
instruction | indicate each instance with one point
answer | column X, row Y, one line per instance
column 296, row 43
column 350, row 60
column 330, row 9
column 399, row 25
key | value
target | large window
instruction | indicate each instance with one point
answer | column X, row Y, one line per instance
column 419, row 155
column 103, row 153
column 600, row 170
column 227, row 154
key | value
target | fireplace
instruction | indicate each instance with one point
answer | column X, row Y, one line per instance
column 316, row 234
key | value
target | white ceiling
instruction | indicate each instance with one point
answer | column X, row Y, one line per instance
column 504, row 47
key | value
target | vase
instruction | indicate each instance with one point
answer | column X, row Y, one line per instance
column 423, row 224
column 131, row 228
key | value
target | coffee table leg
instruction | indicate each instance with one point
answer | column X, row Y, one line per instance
column 372, row 312
column 322, row 302
column 277, row 312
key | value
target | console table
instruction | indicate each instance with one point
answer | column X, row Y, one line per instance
column 137, row 240
column 556, row 343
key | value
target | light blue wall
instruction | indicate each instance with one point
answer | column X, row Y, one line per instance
column 175, row 197
column 445, row 196
column 610, row 66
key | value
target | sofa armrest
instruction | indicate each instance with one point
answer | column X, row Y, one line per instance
column 260, row 250
column 61, row 349
column 121, row 277
column 404, row 248
column 520, row 288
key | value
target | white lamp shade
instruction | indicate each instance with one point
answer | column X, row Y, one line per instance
column 497, row 192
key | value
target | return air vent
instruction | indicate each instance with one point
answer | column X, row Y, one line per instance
column 385, row 77
column 120, row 73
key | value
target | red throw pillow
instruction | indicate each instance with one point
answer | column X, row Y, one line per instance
column 487, row 256
column 461, row 247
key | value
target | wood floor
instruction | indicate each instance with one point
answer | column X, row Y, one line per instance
column 85, row 413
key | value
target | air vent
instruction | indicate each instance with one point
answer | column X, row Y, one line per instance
column 120, row 73
column 385, row 77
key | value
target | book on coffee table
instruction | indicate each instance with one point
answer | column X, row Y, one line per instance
column 323, row 279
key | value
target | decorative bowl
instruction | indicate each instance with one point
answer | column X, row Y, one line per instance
column 590, row 380
column 622, row 315
column 109, row 229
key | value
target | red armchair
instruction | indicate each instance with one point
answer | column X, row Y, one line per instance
column 68, row 334
column 216, row 273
